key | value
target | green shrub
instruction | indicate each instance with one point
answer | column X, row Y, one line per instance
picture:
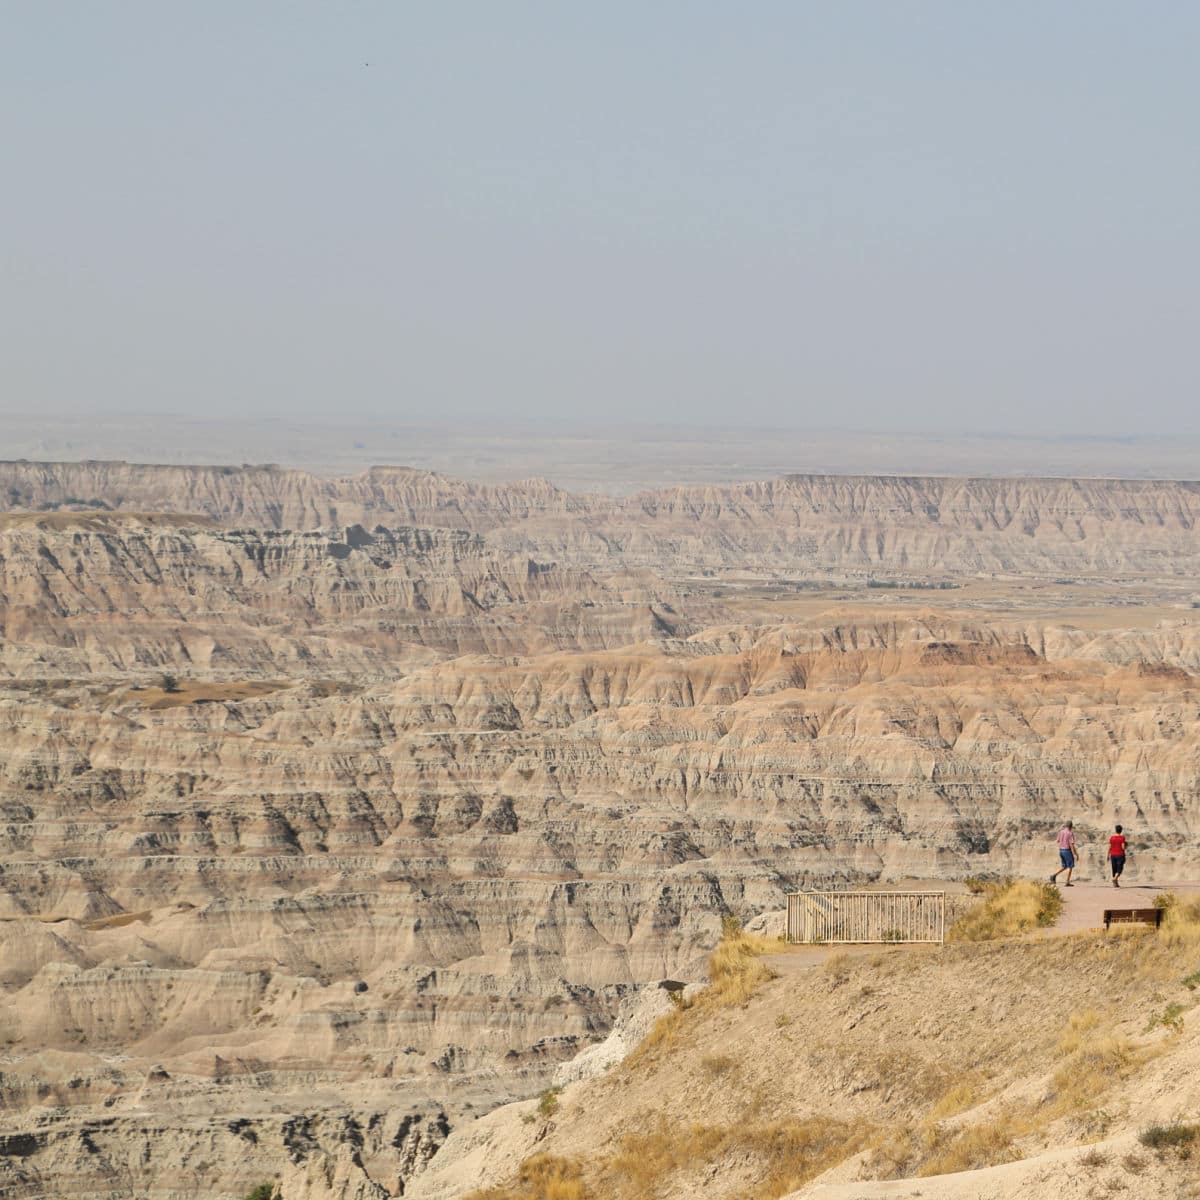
column 1169, row 1137
column 1171, row 1018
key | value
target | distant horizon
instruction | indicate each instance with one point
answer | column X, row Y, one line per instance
column 531, row 424
column 616, row 458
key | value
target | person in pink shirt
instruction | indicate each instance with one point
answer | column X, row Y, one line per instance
column 1066, row 853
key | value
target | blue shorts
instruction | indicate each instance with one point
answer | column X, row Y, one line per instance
column 1067, row 857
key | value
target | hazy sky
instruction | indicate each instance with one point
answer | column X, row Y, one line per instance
column 892, row 215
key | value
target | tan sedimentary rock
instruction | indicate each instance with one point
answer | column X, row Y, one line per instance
column 329, row 1177
column 114, row 594
column 796, row 523
column 314, row 842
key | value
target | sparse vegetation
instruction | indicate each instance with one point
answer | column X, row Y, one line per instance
column 787, row 1153
column 1171, row 1018
column 1080, row 1029
column 1181, row 926
column 977, row 885
column 915, row 585
column 1093, row 1061
column 118, row 920
column 264, row 1191
column 970, row 1147
column 1009, row 908
column 837, row 966
column 191, row 691
column 959, row 1098
column 1178, row 1136
column 735, row 968
column 735, row 973
column 548, row 1103
column 542, row 1177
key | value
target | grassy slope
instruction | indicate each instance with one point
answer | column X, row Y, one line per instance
column 913, row 1063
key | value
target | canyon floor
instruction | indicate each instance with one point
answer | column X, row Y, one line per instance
column 335, row 812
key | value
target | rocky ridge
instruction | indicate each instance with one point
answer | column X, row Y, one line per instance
column 799, row 523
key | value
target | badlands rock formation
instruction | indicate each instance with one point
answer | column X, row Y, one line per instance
column 800, row 523
column 333, row 812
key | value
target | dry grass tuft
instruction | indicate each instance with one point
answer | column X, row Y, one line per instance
column 735, row 968
column 1009, row 909
column 959, row 1098
column 837, row 966
column 978, row 885
column 973, row 1146
column 932, row 1148
column 1181, row 928
column 783, row 1154
column 1093, row 1061
column 542, row 1177
column 1079, row 1030
column 1090, row 1071
column 735, row 973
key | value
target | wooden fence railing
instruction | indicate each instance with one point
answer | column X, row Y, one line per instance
column 848, row 917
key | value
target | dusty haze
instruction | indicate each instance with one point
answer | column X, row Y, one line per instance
column 588, row 455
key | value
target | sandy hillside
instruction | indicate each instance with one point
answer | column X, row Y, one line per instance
column 977, row 1070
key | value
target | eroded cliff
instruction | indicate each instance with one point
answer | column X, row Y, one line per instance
column 315, row 840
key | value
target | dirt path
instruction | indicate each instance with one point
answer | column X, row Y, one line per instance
column 799, row 958
column 1084, row 903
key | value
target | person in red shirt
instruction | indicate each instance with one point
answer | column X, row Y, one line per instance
column 1116, row 855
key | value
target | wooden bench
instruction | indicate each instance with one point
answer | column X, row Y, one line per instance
column 1133, row 916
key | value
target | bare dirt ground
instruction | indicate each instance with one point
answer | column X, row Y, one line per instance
column 1084, row 604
